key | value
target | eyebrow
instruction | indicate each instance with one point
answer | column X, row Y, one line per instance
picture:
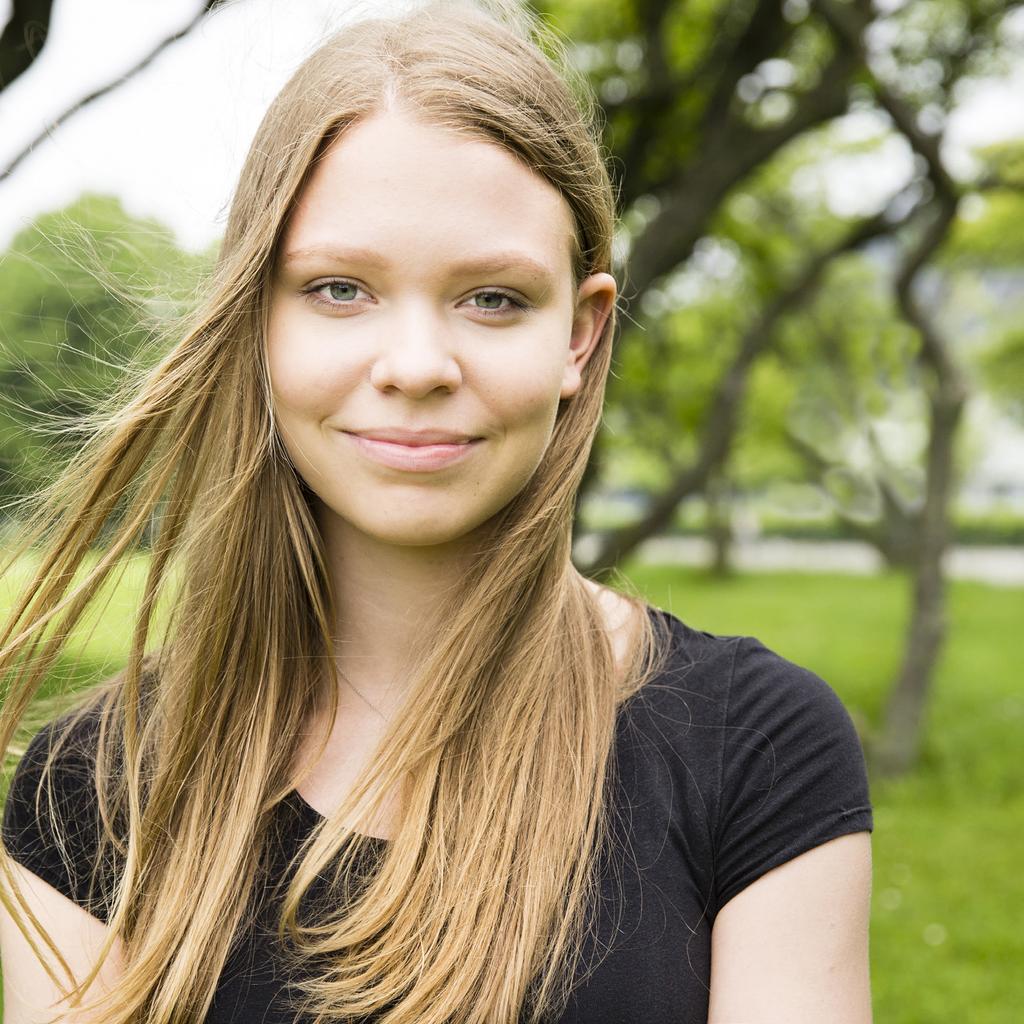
column 488, row 263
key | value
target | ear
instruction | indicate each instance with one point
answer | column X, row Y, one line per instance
column 595, row 300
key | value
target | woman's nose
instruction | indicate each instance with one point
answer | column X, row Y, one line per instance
column 416, row 353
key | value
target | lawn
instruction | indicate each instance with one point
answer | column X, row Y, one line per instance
column 948, row 898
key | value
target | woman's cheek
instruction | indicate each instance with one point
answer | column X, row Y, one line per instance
column 304, row 373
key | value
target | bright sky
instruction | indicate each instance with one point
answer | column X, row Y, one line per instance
column 171, row 142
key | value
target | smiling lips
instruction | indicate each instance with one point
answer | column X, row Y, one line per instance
column 417, row 451
column 416, row 438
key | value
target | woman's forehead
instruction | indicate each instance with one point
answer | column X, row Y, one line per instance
column 394, row 184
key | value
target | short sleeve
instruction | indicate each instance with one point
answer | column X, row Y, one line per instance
column 52, row 826
column 793, row 774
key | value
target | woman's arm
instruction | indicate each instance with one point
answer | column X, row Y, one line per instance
column 792, row 947
column 29, row 993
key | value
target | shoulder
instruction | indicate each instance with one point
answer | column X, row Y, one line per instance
column 691, row 684
column 788, row 728
column 741, row 685
column 60, row 756
column 763, row 683
column 770, row 744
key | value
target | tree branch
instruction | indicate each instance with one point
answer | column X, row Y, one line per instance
column 730, row 152
column 721, row 421
column 849, row 22
column 765, row 31
column 7, row 171
column 894, row 534
column 23, row 38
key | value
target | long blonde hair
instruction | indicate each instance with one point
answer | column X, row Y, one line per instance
column 477, row 909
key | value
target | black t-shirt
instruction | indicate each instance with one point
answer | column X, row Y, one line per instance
column 730, row 762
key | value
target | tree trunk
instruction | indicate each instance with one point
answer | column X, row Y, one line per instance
column 898, row 746
column 719, row 527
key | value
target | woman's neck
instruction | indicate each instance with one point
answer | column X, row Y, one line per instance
column 386, row 599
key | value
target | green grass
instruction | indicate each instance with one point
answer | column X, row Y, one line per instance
column 948, row 897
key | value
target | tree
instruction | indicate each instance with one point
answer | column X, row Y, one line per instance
column 82, row 296
column 700, row 103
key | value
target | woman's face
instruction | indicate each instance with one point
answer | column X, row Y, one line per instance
column 423, row 284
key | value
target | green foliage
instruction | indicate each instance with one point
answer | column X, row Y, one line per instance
column 83, row 292
column 1002, row 367
column 760, row 456
column 990, row 235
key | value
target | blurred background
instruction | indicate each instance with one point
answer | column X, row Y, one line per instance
column 814, row 430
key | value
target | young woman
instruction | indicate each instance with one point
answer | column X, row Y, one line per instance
column 392, row 757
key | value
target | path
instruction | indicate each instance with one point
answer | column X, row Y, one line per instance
column 1002, row 566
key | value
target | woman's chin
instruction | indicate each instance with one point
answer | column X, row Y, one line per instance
column 435, row 531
